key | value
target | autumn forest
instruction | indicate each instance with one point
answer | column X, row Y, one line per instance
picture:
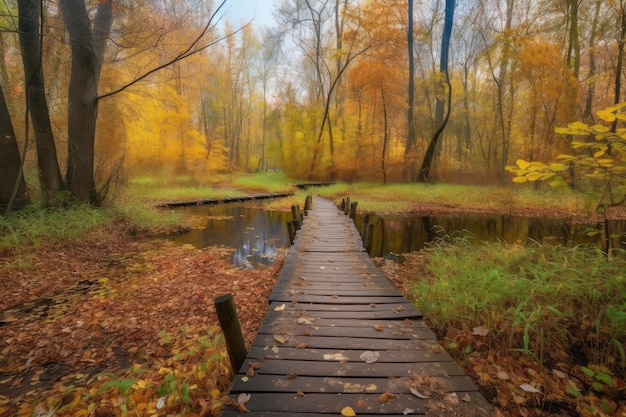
column 118, row 88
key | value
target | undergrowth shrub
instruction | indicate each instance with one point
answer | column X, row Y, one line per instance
column 539, row 299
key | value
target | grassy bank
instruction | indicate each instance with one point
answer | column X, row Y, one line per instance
column 394, row 198
column 552, row 317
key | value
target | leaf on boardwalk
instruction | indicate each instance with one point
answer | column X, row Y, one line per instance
column 280, row 308
column 281, row 339
column 408, row 411
column 379, row 328
column 418, row 394
column 243, row 398
column 370, row 356
column 237, row 406
column 348, row 412
column 452, row 399
column 385, row 397
column 304, row 320
column 335, row 357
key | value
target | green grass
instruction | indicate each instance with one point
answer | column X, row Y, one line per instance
column 29, row 228
column 538, row 299
column 271, row 182
column 157, row 189
column 394, row 198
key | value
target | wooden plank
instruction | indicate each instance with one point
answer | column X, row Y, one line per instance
column 342, row 343
column 375, row 332
column 310, row 308
column 399, row 325
column 420, row 354
column 332, row 299
column 336, row 385
column 470, row 404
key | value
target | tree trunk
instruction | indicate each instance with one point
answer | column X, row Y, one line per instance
column 501, row 81
column 591, row 87
column 424, row 173
column 573, row 46
column 11, row 178
column 87, row 56
column 410, row 139
column 383, row 165
column 620, row 60
column 30, row 41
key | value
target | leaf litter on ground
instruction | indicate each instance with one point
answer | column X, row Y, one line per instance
column 114, row 323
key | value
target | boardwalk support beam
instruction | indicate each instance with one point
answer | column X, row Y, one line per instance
column 227, row 315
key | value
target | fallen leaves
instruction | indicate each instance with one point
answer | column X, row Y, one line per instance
column 80, row 316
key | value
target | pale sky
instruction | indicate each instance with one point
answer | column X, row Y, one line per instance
column 246, row 10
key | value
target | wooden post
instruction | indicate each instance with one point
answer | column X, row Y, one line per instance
column 227, row 315
column 308, row 202
column 343, row 204
column 291, row 231
column 367, row 242
column 366, row 220
column 296, row 225
column 353, row 210
column 295, row 214
column 346, row 209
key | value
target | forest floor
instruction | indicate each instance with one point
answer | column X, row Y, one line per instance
column 118, row 322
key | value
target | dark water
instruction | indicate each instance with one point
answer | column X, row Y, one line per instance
column 396, row 235
column 256, row 235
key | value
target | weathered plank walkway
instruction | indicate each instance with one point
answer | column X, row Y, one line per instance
column 338, row 335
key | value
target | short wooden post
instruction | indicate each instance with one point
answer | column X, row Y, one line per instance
column 346, row 209
column 366, row 220
column 343, row 204
column 227, row 315
column 367, row 241
column 308, row 202
column 292, row 232
column 353, row 210
column 296, row 224
column 295, row 213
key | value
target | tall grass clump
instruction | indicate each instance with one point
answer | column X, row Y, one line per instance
column 539, row 299
column 28, row 229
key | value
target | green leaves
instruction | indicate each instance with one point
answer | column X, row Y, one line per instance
column 598, row 155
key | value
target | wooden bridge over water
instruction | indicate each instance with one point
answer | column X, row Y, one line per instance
column 338, row 335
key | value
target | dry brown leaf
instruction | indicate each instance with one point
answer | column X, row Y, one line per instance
column 385, row 397
column 237, row 406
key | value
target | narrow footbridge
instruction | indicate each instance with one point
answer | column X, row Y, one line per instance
column 339, row 338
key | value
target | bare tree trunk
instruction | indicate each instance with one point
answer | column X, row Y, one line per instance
column 573, row 46
column 410, row 139
column 385, row 136
column 12, row 185
column 30, row 17
column 424, row 173
column 87, row 56
column 591, row 88
column 620, row 60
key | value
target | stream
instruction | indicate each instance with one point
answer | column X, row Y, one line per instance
column 257, row 235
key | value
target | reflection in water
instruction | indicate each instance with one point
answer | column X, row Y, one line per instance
column 395, row 234
column 256, row 234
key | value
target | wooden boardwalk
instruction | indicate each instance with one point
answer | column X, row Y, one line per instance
column 338, row 335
